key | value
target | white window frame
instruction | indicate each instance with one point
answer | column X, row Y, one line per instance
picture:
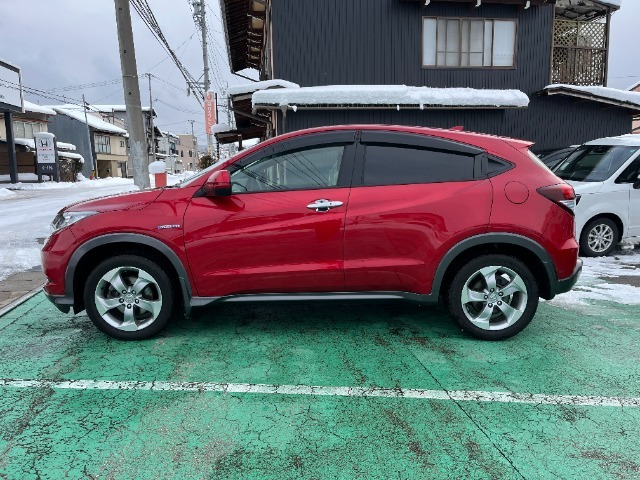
column 434, row 60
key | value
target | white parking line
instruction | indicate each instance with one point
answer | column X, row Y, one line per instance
column 456, row 395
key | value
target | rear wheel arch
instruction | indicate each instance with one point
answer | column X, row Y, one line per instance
column 532, row 254
column 94, row 251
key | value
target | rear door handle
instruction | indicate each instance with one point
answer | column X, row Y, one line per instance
column 324, row 205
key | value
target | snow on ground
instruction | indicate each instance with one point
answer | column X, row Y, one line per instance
column 28, row 209
column 595, row 283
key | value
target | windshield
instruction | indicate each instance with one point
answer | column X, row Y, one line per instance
column 594, row 163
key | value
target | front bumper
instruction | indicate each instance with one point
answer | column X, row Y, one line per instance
column 566, row 284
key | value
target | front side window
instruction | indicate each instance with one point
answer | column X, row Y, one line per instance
column 307, row 169
column 399, row 165
column 468, row 42
column 594, row 163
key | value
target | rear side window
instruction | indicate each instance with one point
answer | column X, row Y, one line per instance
column 399, row 165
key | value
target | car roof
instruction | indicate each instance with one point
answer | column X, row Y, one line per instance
column 630, row 140
column 482, row 140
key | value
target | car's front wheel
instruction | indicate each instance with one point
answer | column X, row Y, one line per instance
column 129, row 297
column 599, row 237
column 493, row 297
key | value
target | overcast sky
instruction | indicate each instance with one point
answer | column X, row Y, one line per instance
column 65, row 43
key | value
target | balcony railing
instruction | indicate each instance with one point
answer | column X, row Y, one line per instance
column 579, row 52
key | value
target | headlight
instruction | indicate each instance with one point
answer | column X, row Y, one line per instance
column 64, row 219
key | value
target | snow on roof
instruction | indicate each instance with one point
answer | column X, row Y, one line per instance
column 389, row 95
column 606, row 93
column 93, row 121
column 97, row 108
column 634, row 87
column 74, row 156
column 630, row 140
column 35, row 108
column 28, row 142
column 255, row 86
column 220, row 128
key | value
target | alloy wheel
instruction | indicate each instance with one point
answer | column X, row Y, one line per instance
column 128, row 298
column 494, row 298
column 600, row 238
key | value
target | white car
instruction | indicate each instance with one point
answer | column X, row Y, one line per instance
column 605, row 175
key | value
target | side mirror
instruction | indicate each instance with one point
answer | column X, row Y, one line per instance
column 637, row 184
column 218, row 184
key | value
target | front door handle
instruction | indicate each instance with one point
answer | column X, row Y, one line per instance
column 324, row 205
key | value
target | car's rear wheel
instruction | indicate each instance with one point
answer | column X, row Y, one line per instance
column 599, row 237
column 129, row 297
column 493, row 297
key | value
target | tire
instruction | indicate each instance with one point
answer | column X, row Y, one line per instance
column 497, row 314
column 599, row 237
column 117, row 309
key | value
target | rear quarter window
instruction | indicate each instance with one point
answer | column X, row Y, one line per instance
column 400, row 165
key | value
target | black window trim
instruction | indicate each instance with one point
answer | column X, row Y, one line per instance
column 407, row 139
column 321, row 140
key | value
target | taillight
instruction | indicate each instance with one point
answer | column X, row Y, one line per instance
column 562, row 195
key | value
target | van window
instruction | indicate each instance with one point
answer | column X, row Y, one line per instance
column 594, row 163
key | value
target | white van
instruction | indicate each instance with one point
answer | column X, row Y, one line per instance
column 605, row 175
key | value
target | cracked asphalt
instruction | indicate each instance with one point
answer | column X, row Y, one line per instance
column 129, row 432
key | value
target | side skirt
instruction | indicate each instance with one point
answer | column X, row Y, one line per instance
column 334, row 296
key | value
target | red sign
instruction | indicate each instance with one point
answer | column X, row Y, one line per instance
column 209, row 111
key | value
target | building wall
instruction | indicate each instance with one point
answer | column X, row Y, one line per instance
column 67, row 129
column 187, row 152
column 337, row 42
column 28, row 118
column 550, row 122
column 636, row 123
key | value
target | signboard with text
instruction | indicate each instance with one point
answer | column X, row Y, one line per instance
column 209, row 111
column 10, row 88
column 46, row 154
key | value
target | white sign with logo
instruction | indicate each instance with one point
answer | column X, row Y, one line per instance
column 45, row 147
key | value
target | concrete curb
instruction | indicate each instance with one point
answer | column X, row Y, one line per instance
column 20, row 301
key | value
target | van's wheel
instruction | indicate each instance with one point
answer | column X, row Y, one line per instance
column 599, row 237
column 493, row 297
column 129, row 297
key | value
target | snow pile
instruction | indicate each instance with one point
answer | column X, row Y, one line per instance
column 157, row 167
column 98, row 183
column 35, row 108
column 92, row 120
column 389, row 95
column 25, row 177
column 6, row 193
column 592, row 285
column 65, row 146
column 255, row 86
column 602, row 92
column 220, row 128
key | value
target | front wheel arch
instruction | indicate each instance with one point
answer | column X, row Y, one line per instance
column 88, row 255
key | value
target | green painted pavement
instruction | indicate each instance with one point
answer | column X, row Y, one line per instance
column 47, row 433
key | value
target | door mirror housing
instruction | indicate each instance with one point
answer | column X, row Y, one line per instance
column 636, row 185
column 218, row 184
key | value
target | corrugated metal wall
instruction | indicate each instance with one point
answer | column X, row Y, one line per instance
column 550, row 122
column 67, row 129
column 334, row 42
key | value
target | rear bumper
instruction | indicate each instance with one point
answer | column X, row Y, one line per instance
column 566, row 284
column 61, row 302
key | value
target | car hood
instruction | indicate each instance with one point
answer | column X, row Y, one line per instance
column 584, row 188
column 121, row 201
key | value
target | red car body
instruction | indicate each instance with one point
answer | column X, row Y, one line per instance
column 394, row 241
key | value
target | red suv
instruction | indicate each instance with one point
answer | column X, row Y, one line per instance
column 348, row 213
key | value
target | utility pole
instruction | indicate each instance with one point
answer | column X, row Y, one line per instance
column 199, row 15
column 194, row 140
column 92, row 166
column 153, row 131
column 137, row 137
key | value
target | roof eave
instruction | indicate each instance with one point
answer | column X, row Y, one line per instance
column 588, row 96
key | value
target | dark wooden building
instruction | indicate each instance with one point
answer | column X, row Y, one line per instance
column 555, row 52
